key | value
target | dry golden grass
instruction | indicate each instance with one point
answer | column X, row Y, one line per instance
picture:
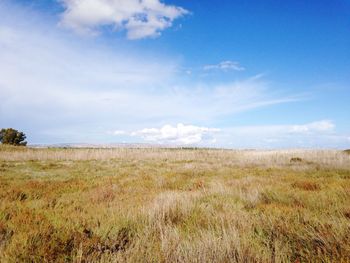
column 174, row 205
column 270, row 158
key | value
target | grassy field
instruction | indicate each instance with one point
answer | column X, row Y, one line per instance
column 174, row 205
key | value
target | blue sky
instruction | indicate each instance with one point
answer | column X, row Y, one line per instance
column 235, row 74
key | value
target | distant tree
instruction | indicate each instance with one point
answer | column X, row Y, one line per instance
column 12, row 137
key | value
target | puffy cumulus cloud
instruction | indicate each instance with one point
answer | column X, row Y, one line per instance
column 180, row 134
column 140, row 18
column 225, row 66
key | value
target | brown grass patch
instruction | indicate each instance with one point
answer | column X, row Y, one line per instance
column 306, row 185
column 103, row 194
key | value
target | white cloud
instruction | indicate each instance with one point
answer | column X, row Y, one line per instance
column 118, row 132
column 140, row 18
column 309, row 135
column 180, row 134
column 318, row 126
column 318, row 134
column 59, row 87
column 70, row 76
column 225, row 66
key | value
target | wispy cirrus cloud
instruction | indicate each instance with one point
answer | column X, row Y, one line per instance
column 225, row 66
column 140, row 19
column 70, row 76
column 60, row 88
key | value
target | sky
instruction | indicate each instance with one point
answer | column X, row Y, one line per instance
column 230, row 73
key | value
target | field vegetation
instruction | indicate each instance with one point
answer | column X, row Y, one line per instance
column 174, row 205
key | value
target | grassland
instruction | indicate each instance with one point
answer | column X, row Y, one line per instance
column 174, row 205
